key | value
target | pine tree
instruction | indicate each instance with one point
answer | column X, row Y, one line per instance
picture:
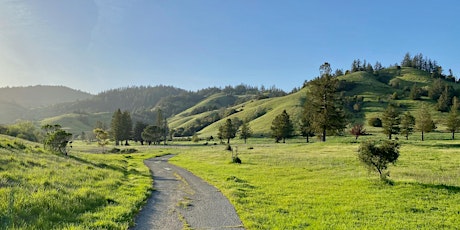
column 327, row 113
column 305, row 126
column 127, row 127
column 407, row 124
column 282, row 127
column 116, row 129
column 444, row 100
column 453, row 121
column 137, row 132
column 390, row 121
column 423, row 121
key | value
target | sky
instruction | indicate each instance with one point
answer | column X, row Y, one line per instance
column 96, row 45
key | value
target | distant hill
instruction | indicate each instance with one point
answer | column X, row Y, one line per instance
column 40, row 96
column 17, row 103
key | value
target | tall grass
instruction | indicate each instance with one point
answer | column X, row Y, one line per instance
column 41, row 190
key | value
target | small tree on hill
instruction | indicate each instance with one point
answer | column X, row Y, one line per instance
column 377, row 156
column 227, row 131
column 390, row 121
column 245, row 131
column 453, row 121
column 56, row 139
column 282, row 127
column 407, row 124
column 423, row 121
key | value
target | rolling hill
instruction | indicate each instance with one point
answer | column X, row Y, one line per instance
column 205, row 110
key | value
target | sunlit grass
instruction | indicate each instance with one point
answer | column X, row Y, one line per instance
column 323, row 185
column 40, row 190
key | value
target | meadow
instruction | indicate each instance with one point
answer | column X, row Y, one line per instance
column 42, row 190
column 278, row 186
column 324, row 186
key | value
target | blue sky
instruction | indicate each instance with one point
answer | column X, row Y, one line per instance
column 95, row 45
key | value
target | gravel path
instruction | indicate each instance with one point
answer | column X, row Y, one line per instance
column 182, row 200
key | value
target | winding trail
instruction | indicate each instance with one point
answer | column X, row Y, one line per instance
column 182, row 200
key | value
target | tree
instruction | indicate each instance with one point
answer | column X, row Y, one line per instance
column 357, row 130
column 423, row 121
column 436, row 89
column 227, row 131
column 407, row 124
column 245, row 131
column 407, row 61
column 390, row 121
column 127, row 126
column 163, row 124
column 324, row 105
column 152, row 133
column 453, row 121
column 377, row 156
column 415, row 92
column 116, row 128
column 444, row 100
column 102, row 137
column 306, row 128
column 137, row 132
column 56, row 139
column 282, row 127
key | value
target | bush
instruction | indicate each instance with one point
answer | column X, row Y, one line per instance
column 375, row 122
column 236, row 160
column 376, row 156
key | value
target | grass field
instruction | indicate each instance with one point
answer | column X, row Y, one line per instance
column 323, row 186
column 278, row 186
column 41, row 190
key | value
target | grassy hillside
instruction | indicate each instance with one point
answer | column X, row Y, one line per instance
column 76, row 123
column 41, row 190
column 374, row 89
column 323, row 185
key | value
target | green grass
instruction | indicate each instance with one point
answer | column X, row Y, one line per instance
column 41, row 190
column 323, row 186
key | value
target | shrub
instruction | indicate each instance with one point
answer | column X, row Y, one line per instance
column 377, row 156
column 375, row 122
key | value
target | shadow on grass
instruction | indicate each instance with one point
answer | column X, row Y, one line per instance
column 448, row 188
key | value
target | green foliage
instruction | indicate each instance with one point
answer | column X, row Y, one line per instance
column 23, row 129
column 102, row 137
column 415, row 92
column 282, row 127
column 423, row 121
column 228, row 131
column 444, row 101
column 375, row 122
column 245, row 131
column 452, row 120
column 137, row 132
column 152, row 133
column 390, row 121
column 377, row 156
column 407, row 124
column 324, row 105
column 56, row 139
column 436, row 89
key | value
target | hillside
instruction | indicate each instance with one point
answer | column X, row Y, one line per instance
column 43, row 190
column 40, row 96
column 372, row 91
